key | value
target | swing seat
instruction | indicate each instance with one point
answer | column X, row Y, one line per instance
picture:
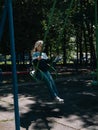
column 33, row 73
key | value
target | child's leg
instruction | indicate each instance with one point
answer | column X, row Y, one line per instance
column 49, row 83
column 57, row 98
column 52, row 81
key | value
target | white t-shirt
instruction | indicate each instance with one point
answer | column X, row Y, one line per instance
column 43, row 55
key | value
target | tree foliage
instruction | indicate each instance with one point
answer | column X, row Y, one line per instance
column 31, row 18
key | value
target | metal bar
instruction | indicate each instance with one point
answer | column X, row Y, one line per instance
column 15, row 86
column 50, row 18
column 18, row 72
column 65, row 21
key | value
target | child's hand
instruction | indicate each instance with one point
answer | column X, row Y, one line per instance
column 39, row 58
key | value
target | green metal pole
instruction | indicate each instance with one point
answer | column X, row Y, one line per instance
column 96, row 23
column 50, row 18
column 65, row 21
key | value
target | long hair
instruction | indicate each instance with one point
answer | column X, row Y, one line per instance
column 37, row 43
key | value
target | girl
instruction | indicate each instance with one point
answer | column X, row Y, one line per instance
column 40, row 60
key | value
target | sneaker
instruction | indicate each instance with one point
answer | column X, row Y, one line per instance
column 59, row 100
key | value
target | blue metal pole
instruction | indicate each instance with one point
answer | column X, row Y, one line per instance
column 15, row 86
column 3, row 19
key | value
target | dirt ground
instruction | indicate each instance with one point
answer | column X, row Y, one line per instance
column 81, row 99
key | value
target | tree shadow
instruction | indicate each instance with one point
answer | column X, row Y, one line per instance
column 41, row 115
column 80, row 100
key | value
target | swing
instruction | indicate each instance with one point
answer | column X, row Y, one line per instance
column 33, row 72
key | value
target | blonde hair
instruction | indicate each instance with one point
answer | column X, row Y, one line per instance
column 37, row 43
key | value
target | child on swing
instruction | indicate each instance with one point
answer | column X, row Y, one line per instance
column 40, row 60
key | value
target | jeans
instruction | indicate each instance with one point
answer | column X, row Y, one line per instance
column 47, row 77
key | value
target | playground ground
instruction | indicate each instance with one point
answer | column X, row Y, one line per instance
column 39, row 112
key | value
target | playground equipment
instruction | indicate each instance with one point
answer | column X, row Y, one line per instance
column 32, row 73
column 8, row 10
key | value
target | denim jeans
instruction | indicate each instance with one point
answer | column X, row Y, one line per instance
column 47, row 77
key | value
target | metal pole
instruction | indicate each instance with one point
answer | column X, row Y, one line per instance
column 96, row 23
column 15, row 86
